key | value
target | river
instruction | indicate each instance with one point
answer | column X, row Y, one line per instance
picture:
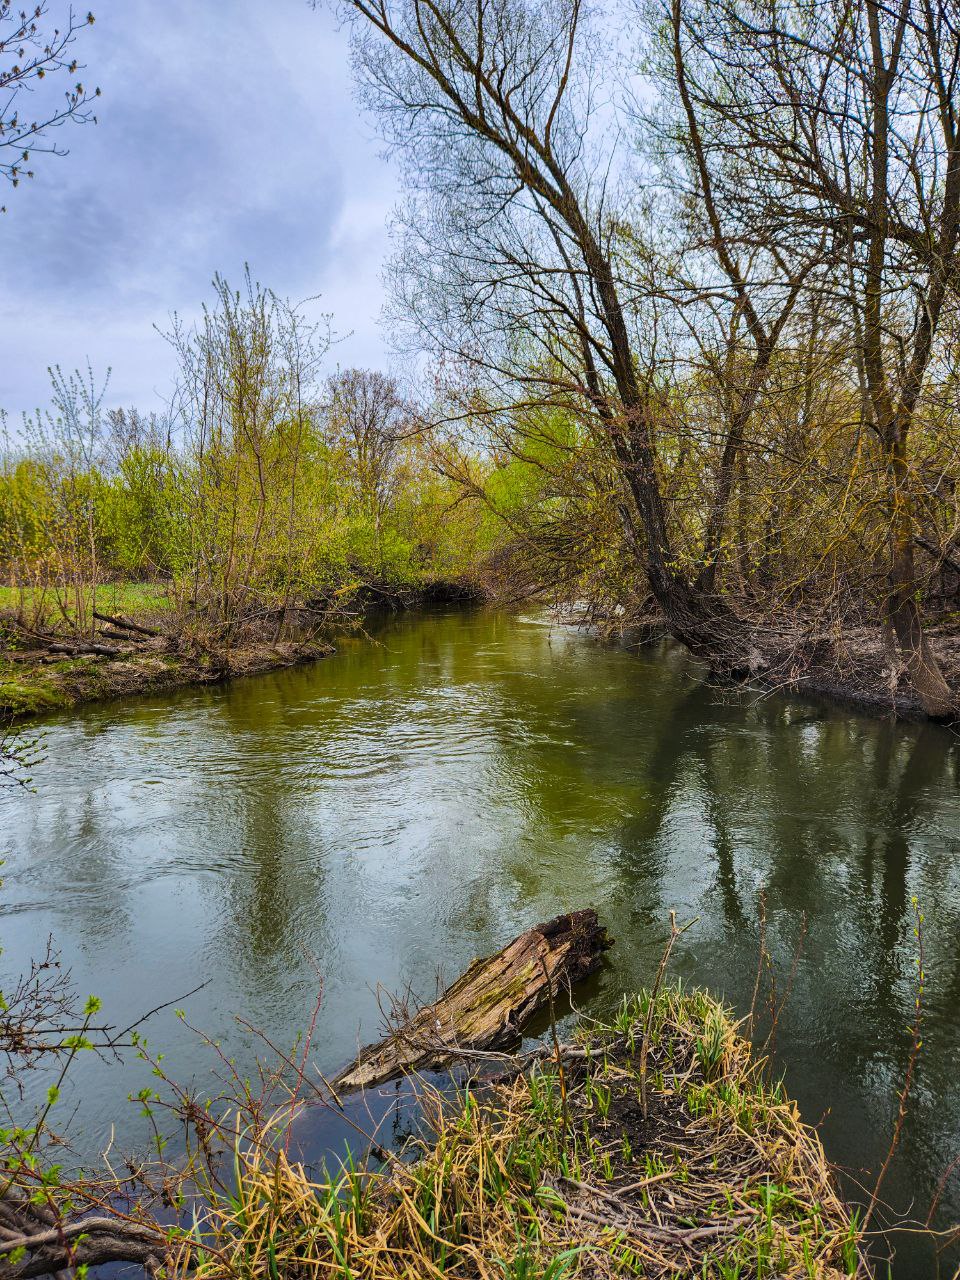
column 421, row 797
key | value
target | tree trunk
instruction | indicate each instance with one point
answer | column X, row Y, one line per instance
column 903, row 608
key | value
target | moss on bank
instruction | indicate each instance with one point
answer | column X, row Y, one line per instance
column 28, row 693
column 653, row 1146
column 29, row 688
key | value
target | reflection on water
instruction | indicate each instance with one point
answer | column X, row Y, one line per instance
column 408, row 805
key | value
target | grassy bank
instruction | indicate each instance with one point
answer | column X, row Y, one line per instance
column 143, row 641
column 30, row 688
column 149, row 647
column 654, row 1146
column 35, row 678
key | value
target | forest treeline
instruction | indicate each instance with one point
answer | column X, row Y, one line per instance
column 681, row 280
column 265, row 493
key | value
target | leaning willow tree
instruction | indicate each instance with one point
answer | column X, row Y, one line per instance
column 781, row 178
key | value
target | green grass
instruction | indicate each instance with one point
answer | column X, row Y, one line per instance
column 128, row 598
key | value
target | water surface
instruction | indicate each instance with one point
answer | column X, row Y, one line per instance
column 414, row 802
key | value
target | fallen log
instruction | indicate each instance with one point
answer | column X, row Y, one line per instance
column 88, row 646
column 488, row 1006
column 116, row 621
column 69, row 645
column 126, row 637
column 87, row 1242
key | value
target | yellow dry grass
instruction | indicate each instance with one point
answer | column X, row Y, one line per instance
column 569, row 1167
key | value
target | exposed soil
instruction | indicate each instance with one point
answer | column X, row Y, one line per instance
column 856, row 668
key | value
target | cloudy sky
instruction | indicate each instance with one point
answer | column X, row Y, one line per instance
column 227, row 134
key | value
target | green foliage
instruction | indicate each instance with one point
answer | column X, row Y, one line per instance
column 269, row 499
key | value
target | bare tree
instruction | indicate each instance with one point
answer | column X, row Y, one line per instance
column 247, row 378
column 368, row 419
column 69, row 440
column 512, row 235
column 837, row 128
column 31, row 49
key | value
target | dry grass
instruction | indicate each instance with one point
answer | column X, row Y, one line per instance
column 569, row 1168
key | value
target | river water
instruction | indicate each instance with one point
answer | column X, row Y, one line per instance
column 417, row 800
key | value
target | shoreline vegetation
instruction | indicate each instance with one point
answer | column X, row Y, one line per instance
column 261, row 518
column 238, row 534
column 249, row 530
column 569, row 1163
column 655, row 1144
column 142, row 651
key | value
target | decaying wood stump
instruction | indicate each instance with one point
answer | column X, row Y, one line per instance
column 487, row 1007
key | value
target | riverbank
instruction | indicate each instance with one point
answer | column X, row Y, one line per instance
column 147, row 650
column 854, row 667
column 654, row 1146
column 30, row 687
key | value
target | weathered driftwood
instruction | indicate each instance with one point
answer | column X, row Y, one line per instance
column 487, row 1007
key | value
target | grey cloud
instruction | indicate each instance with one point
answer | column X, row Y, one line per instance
column 227, row 135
